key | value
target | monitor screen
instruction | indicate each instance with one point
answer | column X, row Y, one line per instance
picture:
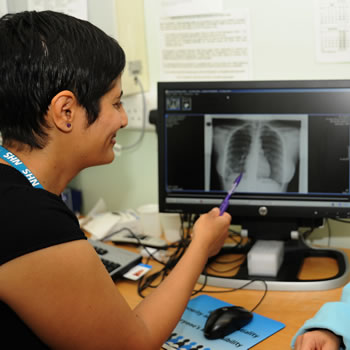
column 289, row 139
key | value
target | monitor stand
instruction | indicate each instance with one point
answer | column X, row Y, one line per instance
column 295, row 251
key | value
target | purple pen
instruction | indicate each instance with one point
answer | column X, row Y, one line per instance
column 225, row 202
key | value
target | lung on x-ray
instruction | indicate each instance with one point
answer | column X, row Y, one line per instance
column 270, row 150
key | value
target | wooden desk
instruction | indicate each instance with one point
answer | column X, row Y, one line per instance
column 291, row 308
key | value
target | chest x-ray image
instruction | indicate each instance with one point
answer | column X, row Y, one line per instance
column 266, row 148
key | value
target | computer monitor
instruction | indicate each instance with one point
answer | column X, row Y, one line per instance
column 289, row 139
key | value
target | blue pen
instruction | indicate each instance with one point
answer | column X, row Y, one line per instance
column 225, row 202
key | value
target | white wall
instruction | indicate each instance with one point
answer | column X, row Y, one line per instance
column 283, row 40
column 283, row 47
column 283, row 35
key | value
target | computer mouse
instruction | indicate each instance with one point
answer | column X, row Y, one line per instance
column 226, row 320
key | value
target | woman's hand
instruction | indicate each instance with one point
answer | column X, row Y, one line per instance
column 212, row 230
column 317, row 340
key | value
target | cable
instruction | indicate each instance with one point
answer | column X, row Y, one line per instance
column 235, row 289
column 329, row 232
column 143, row 129
column 233, row 268
column 145, row 247
column 306, row 235
column 236, row 237
column 150, row 280
column 153, row 280
column 262, row 298
column 340, row 220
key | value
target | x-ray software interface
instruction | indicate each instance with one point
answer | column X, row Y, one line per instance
column 280, row 143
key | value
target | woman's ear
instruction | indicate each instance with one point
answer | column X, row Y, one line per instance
column 63, row 108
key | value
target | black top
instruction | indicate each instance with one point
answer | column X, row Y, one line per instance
column 31, row 219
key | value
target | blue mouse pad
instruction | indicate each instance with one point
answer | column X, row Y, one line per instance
column 188, row 334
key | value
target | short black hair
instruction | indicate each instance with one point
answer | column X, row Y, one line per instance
column 43, row 53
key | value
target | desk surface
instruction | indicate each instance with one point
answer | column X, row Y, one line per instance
column 291, row 308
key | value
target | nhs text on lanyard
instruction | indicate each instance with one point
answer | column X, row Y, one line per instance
column 18, row 164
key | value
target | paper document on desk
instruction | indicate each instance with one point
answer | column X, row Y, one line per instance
column 104, row 225
column 188, row 334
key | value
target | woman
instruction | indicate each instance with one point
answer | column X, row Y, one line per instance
column 60, row 110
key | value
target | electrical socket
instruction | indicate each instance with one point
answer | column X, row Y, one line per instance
column 133, row 106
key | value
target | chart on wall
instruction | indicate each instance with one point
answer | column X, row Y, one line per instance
column 201, row 41
column 332, row 24
column 248, row 40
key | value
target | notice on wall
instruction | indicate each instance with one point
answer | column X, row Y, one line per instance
column 3, row 7
column 76, row 8
column 332, row 22
column 214, row 46
column 189, row 7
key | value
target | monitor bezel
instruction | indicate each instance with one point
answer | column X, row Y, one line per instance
column 240, row 213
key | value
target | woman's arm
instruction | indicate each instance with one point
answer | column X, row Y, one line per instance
column 210, row 232
column 68, row 299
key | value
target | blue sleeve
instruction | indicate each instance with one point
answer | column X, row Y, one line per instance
column 334, row 316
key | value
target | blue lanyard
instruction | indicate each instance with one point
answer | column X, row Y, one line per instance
column 18, row 164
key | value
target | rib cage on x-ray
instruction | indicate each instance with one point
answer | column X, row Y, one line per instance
column 246, row 142
column 265, row 150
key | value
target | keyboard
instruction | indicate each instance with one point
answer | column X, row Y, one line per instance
column 117, row 261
